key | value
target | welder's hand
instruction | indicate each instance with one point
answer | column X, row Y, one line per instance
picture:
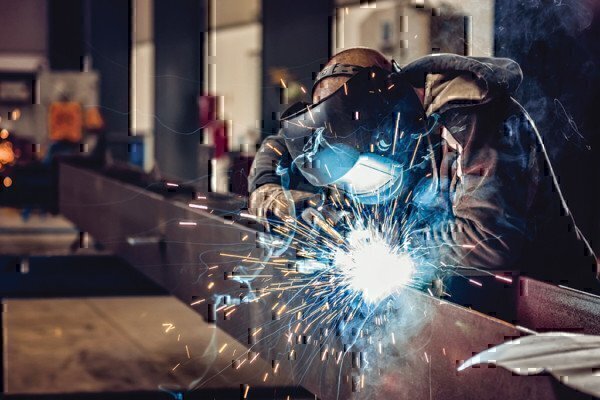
column 272, row 201
column 330, row 214
column 324, row 219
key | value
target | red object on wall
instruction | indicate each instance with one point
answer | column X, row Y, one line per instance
column 207, row 109
column 217, row 129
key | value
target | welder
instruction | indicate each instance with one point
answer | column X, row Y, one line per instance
column 443, row 129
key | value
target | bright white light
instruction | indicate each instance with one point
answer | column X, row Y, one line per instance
column 372, row 266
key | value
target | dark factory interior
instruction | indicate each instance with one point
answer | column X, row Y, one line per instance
column 299, row 199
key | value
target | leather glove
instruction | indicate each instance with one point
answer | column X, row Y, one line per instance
column 325, row 220
column 272, row 201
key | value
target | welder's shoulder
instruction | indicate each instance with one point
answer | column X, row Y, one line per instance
column 273, row 165
column 268, row 157
column 497, row 76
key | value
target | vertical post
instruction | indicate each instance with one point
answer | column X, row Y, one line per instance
column 178, row 31
column 289, row 49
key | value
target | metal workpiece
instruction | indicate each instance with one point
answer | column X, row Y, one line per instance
column 408, row 349
column 172, row 243
column 413, row 355
column 544, row 307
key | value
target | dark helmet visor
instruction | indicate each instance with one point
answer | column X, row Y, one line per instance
column 374, row 113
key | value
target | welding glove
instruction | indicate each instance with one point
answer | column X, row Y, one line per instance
column 311, row 215
column 273, row 204
column 325, row 219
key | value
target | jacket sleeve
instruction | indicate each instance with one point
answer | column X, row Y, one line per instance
column 269, row 156
column 484, row 185
column 273, row 164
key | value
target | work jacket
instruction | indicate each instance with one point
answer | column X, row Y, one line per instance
column 494, row 202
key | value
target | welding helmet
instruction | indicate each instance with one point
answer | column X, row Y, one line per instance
column 362, row 139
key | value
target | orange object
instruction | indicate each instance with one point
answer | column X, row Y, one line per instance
column 93, row 119
column 65, row 121
column 7, row 154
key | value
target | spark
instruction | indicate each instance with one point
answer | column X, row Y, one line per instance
column 222, row 348
column 415, row 152
column 395, row 130
column 187, row 351
column 371, row 257
column 474, row 282
column 310, row 114
column 200, row 206
column 503, row 278
column 228, row 313
column 169, row 327
column 324, row 355
column 275, row 149
column 187, row 223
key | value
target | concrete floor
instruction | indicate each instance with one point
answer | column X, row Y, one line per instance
column 118, row 344
column 110, row 344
